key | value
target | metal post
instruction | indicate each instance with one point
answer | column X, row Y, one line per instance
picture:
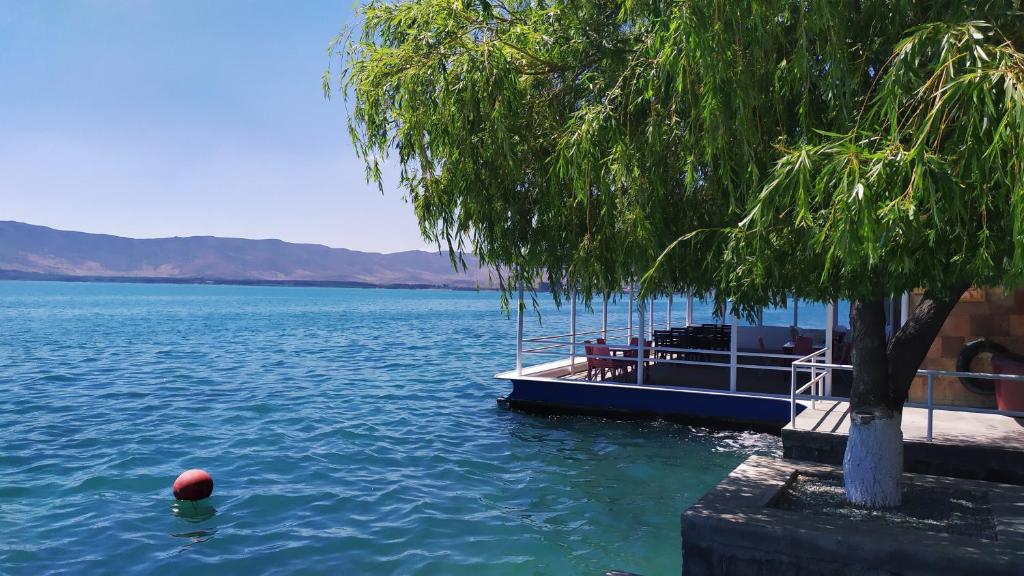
column 930, row 409
column 689, row 308
column 572, row 331
column 519, row 336
column 829, row 329
column 814, row 386
column 640, row 342
column 651, row 314
column 604, row 317
column 733, row 348
column 668, row 313
column 629, row 330
column 796, row 315
column 792, row 396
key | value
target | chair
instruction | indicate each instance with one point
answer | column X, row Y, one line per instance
column 764, row 350
column 803, row 346
column 723, row 338
column 663, row 339
column 680, row 339
column 598, row 364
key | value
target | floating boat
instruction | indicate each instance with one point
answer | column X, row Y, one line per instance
column 722, row 375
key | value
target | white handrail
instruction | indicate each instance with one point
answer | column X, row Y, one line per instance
column 814, row 363
column 809, row 363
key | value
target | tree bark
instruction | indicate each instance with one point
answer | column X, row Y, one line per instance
column 870, row 362
column 910, row 345
column 873, row 461
column 882, row 375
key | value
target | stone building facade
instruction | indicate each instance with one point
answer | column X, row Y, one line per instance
column 990, row 313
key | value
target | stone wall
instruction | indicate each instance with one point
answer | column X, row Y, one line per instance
column 737, row 529
column 983, row 313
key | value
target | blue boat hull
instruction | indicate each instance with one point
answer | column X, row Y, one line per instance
column 708, row 407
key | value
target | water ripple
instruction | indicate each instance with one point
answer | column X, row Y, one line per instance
column 347, row 431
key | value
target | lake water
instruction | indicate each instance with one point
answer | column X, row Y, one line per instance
column 348, row 431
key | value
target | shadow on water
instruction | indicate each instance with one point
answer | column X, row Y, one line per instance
column 194, row 512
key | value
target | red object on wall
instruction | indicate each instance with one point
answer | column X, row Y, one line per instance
column 1009, row 393
column 193, row 484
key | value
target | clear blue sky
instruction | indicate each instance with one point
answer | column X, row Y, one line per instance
column 154, row 118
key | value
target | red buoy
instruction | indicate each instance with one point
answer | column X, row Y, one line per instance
column 193, row 484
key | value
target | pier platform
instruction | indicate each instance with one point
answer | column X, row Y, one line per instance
column 963, row 445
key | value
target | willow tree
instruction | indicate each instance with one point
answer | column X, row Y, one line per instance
column 747, row 148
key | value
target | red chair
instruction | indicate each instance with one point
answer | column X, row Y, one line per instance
column 599, row 364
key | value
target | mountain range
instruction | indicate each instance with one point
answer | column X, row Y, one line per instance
column 38, row 252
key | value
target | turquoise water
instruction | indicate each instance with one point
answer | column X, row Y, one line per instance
column 347, row 430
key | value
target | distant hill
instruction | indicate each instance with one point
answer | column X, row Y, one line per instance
column 28, row 251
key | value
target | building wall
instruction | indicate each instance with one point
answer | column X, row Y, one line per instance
column 982, row 313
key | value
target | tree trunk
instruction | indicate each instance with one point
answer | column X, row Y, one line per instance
column 882, row 375
column 873, row 461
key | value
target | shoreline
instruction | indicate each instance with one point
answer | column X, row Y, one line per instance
column 17, row 275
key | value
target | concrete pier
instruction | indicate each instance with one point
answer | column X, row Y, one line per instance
column 964, row 445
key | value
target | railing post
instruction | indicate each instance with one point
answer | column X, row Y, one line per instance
column 930, row 406
column 572, row 331
column 829, row 331
column 792, row 396
column 668, row 313
column 604, row 317
column 689, row 308
column 629, row 329
column 650, row 314
column 814, row 386
column 734, row 338
column 519, row 333
column 640, row 342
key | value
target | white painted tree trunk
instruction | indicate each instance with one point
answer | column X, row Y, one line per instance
column 873, row 464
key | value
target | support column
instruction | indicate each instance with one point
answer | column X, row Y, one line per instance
column 796, row 312
column 668, row 313
column 734, row 338
column 572, row 331
column 829, row 353
column 689, row 308
column 651, row 313
column 629, row 328
column 640, row 305
column 519, row 333
column 604, row 317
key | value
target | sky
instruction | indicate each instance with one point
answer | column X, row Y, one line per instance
column 149, row 118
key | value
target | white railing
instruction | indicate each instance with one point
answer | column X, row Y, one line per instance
column 815, row 384
column 822, row 370
column 570, row 345
column 817, row 387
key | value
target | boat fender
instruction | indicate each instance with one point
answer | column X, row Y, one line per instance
column 193, row 484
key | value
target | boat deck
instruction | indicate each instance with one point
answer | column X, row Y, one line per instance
column 964, row 444
column 696, row 394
